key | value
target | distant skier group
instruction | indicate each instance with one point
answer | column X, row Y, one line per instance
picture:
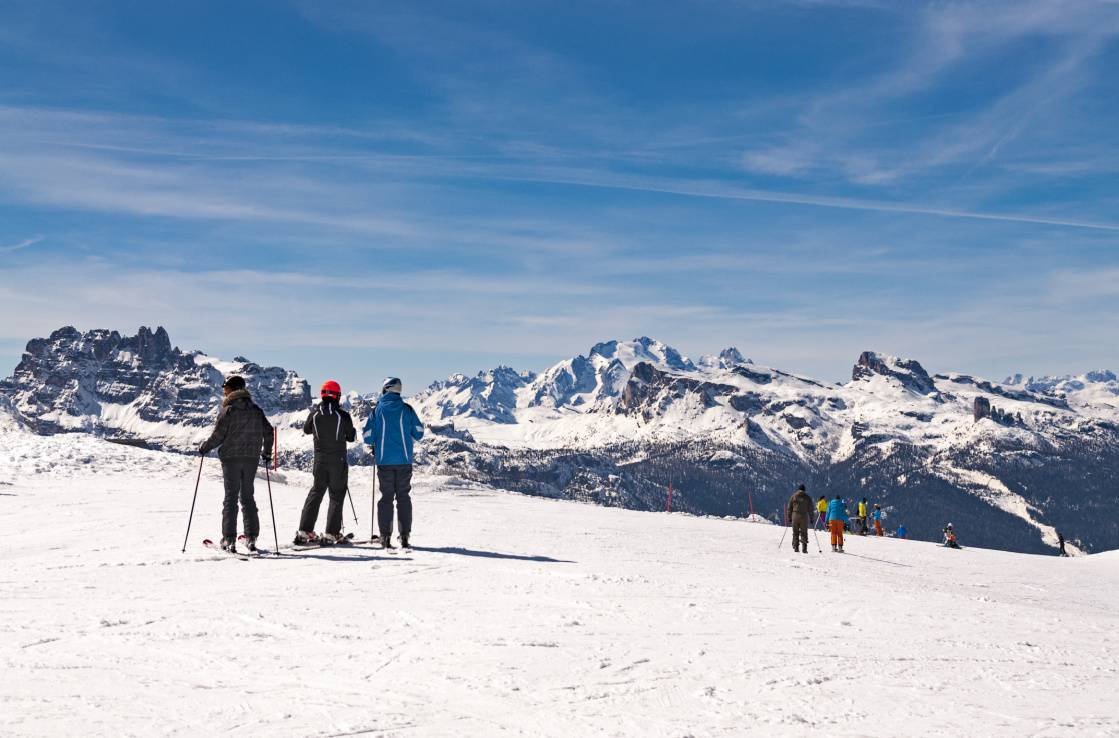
column 834, row 514
column 243, row 435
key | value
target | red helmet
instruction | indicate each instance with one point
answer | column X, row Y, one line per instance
column 331, row 388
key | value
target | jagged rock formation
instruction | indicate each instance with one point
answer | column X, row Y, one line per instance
column 134, row 387
column 910, row 373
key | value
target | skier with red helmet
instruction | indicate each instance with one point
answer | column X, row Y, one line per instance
column 333, row 429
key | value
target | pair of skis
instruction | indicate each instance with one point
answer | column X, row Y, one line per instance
column 310, row 546
column 323, row 542
column 246, row 555
column 349, row 540
column 233, row 553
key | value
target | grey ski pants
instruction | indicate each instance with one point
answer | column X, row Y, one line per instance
column 238, row 475
column 395, row 481
column 800, row 532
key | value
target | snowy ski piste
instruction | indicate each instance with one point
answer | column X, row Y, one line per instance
column 516, row 616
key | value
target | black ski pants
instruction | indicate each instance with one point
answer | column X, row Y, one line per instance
column 330, row 473
column 238, row 475
column 395, row 481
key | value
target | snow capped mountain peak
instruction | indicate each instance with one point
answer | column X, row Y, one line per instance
column 488, row 395
column 1094, row 388
column 641, row 349
column 728, row 358
column 908, row 372
column 1065, row 383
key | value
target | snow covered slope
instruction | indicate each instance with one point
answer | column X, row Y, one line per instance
column 517, row 616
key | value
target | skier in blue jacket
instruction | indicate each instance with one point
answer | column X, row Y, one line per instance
column 391, row 430
column 837, row 518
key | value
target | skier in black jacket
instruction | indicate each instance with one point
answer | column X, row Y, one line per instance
column 333, row 429
column 244, row 434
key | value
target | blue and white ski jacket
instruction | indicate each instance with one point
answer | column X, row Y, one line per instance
column 392, row 429
column 837, row 511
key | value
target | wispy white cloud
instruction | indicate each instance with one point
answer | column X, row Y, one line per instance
column 837, row 132
column 724, row 192
column 20, row 246
column 157, row 189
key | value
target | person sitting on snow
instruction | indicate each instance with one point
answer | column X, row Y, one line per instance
column 950, row 537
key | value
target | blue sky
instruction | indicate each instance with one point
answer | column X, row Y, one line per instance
column 355, row 189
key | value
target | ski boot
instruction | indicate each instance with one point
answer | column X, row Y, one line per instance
column 250, row 543
column 404, row 542
column 386, row 543
column 306, row 538
column 229, row 545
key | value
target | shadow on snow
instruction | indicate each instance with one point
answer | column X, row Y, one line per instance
column 491, row 555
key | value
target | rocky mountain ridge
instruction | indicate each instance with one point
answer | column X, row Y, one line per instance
column 616, row 425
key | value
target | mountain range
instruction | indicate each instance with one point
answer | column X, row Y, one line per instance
column 1010, row 463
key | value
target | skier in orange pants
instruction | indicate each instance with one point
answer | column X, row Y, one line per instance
column 837, row 518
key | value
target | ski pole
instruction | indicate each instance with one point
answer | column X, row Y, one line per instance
column 191, row 518
column 352, row 508
column 816, row 531
column 275, row 534
column 373, row 506
column 784, row 530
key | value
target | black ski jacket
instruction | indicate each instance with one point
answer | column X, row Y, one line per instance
column 332, row 427
column 242, row 430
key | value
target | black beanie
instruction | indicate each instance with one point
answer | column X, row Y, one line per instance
column 235, row 383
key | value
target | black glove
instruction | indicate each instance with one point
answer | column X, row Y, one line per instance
column 265, row 456
column 203, row 450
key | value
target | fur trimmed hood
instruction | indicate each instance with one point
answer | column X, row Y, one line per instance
column 236, row 395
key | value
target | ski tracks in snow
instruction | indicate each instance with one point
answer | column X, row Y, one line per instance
column 533, row 617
